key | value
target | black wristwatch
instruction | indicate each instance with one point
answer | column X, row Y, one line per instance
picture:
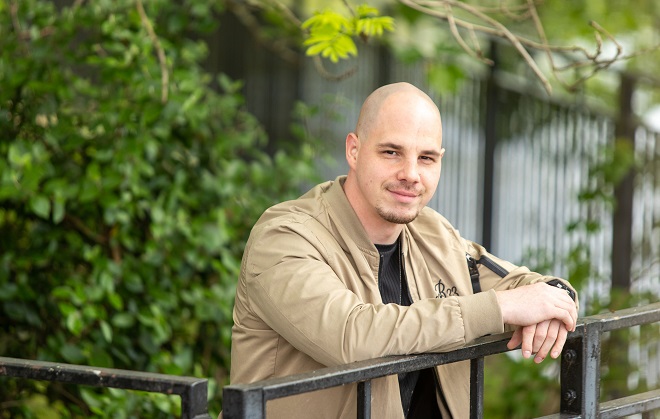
column 557, row 283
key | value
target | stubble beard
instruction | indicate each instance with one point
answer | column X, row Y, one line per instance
column 394, row 217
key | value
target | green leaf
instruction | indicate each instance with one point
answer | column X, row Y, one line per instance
column 374, row 26
column 123, row 320
column 106, row 330
column 327, row 19
column 72, row 354
column 58, row 210
column 40, row 206
column 74, row 323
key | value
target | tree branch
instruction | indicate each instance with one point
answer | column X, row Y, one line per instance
column 164, row 73
column 78, row 224
column 318, row 64
column 496, row 28
column 243, row 14
column 459, row 39
column 580, row 56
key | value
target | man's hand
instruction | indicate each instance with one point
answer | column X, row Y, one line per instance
column 545, row 314
column 539, row 339
column 533, row 304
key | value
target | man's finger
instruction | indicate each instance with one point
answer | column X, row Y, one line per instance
column 551, row 334
column 540, row 336
column 528, row 333
column 559, row 343
column 516, row 339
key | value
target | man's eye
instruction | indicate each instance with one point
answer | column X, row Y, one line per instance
column 390, row 152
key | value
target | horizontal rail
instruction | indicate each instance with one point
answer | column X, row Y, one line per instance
column 354, row 372
column 621, row 319
column 244, row 400
column 625, row 406
column 193, row 391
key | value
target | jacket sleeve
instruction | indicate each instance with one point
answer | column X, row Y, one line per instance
column 293, row 288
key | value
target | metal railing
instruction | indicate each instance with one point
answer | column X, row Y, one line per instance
column 580, row 374
column 193, row 391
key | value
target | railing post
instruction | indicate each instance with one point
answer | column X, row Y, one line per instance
column 580, row 372
column 591, row 371
column 477, row 388
column 243, row 404
column 194, row 401
column 364, row 400
column 571, row 376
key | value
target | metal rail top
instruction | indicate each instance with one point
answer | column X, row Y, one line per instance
column 380, row 367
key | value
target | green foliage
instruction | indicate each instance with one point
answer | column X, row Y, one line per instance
column 516, row 388
column 331, row 34
column 128, row 186
column 612, row 167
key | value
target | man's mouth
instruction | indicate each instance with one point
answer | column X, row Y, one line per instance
column 404, row 195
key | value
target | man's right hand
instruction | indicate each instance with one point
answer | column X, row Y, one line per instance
column 536, row 303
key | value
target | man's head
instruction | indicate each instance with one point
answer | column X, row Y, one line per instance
column 394, row 159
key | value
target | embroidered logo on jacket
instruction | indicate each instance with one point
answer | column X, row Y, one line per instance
column 444, row 292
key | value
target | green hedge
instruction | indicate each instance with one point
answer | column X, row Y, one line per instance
column 124, row 206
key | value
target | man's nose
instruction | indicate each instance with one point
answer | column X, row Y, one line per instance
column 409, row 171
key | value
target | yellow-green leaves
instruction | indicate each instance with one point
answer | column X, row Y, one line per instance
column 369, row 23
column 331, row 34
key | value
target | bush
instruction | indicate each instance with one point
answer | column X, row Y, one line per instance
column 127, row 190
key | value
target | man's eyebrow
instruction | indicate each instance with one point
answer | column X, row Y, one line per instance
column 390, row 146
column 433, row 153
column 397, row 147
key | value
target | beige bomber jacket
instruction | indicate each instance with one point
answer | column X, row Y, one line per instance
column 308, row 297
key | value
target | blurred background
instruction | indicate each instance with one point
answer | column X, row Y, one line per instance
column 140, row 140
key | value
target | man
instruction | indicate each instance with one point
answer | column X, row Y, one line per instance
column 360, row 268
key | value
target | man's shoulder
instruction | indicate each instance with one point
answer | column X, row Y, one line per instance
column 301, row 210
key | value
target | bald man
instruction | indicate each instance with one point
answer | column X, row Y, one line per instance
column 361, row 268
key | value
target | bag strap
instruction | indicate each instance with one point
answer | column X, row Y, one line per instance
column 474, row 269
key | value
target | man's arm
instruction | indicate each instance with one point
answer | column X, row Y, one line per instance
column 542, row 337
column 292, row 287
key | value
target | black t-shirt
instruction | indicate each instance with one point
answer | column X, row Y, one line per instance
column 393, row 288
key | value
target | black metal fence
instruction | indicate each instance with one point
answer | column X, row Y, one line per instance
column 580, row 374
column 193, row 391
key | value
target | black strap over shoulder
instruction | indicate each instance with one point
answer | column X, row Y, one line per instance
column 493, row 266
column 474, row 269
column 474, row 273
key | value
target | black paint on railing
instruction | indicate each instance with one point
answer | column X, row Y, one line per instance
column 248, row 400
column 580, row 374
column 193, row 391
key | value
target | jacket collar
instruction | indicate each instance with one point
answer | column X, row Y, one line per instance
column 344, row 215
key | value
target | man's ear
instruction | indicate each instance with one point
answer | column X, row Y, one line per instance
column 352, row 149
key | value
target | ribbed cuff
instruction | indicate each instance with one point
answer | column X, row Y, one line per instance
column 481, row 315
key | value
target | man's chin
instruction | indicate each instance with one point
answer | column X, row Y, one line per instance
column 398, row 218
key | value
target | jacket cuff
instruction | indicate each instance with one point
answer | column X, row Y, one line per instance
column 481, row 315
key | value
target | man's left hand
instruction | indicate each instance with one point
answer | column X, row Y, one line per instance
column 546, row 337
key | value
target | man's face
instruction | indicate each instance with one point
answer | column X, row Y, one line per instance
column 398, row 165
